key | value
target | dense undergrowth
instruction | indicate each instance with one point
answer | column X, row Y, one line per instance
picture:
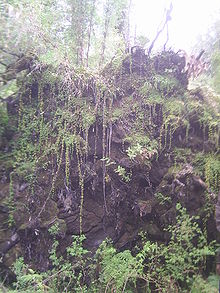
column 153, row 266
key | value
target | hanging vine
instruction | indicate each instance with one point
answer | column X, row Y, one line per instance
column 104, row 150
column 110, row 127
column 81, row 184
column 59, row 160
column 41, row 109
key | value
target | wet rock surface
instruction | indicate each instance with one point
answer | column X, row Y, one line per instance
column 142, row 198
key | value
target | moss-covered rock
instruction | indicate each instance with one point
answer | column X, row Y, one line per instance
column 107, row 156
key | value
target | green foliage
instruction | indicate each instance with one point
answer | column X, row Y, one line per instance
column 206, row 108
column 145, row 89
column 199, row 163
column 117, row 114
column 166, row 85
column 182, row 256
column 66, row 275
column 10, row 203
column 3, row 120
column 134, row 151
column 212, row 172
column 163, row 199
column 124, row 175
column 182, row 155
column 54, row 229
column 208, row 166
column 120, row 113
column 203, row 286
column 216, row 69
column 174, row 107
column 71, row 270
column 141, row 145
column 165, row 267
column 119, row 270
column 107, row 161
column 213, row 280
column 150, row 94
column 26, row 147
column 86, row 32
column 27, row 279
column 8, row 89
column 72, row 104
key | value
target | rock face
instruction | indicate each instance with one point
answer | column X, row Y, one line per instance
column 119, row 172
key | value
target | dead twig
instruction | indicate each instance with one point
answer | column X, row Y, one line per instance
column 168, row 18
column 9, row 52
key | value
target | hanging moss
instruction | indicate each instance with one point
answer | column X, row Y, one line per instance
column 212, row 172
column 63, row 112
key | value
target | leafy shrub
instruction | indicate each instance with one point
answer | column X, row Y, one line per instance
column 66, row 275
column 203, row 286
column 171, row 267
column 27, row 279
column 175, row 263
column 126, row 177
column 208, row 167
column 166, row 85
column 119, row 271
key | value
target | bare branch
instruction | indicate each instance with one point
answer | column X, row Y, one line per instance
column 168, row 18
column 167, row 39
column 2, row 63
column 9, row 53
column 200, row 55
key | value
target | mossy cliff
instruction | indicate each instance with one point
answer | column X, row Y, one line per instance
column 106, row 155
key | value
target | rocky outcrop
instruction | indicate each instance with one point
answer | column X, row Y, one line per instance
column 125, row 172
